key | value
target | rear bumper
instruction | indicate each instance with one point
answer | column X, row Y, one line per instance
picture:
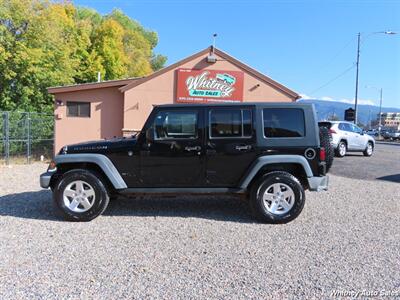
column 318, row 183
column 45, row 179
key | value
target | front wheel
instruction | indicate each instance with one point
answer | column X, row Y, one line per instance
column 369, row 149
column 80, row 195
column 277, row 197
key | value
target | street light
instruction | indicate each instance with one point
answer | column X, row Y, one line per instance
column 380, row 107
column 358, row 64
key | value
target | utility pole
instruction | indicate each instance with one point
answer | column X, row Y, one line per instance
column 358, row 65
column 380, row 114
column 357, row 70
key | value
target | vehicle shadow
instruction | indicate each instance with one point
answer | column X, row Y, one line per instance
column 39, row 205
column 392, row 178
column 353, row 155
column 219, row 208
column 29, row 205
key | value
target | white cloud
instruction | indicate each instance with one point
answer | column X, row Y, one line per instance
column 306, row 97
column 344, row 100
column 325, row 98
column 360, row 101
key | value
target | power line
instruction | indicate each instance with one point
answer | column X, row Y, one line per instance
column 333, row 79
column 336, row 55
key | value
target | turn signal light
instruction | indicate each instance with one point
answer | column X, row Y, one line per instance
column 331, row 131
column 52, row 166
column 322, row 154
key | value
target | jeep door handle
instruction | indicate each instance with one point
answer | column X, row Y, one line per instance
column 194, row 148
column 243, row 147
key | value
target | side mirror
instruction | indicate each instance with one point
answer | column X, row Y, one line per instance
column 150, row 134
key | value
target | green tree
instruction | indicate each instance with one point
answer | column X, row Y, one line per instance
column 45, row 44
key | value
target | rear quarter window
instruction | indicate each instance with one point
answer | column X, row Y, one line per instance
column 283, row 122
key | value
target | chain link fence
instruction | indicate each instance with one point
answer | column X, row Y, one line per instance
column 25, row 136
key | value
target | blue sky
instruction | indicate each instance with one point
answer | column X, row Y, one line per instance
column 303, row 44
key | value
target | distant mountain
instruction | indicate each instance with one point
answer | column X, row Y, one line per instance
column 326, row 109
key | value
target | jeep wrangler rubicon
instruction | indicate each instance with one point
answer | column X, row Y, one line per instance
column 270, row 153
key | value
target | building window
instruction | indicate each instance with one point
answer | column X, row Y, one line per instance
column 78, row 109
column 176, row 125
column 283, row 123
column 230, row 123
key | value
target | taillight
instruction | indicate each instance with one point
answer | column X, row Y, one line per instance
column 332, row 131
column 322, row 154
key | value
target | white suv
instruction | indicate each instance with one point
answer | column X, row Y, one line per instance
column 348, row 137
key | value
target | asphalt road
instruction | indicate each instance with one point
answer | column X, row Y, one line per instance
column 384, row 164
column 345, row 240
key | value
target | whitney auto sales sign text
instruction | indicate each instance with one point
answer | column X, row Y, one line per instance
column 200, row 86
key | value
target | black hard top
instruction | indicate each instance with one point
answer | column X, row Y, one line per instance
column 257, row 104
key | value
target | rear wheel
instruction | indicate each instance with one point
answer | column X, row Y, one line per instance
column 369, row 149
column 277, row 197
column 341, row 149
column 80, row 195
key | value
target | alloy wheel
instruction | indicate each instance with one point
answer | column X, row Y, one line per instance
column 278, row 198
column 79, row 196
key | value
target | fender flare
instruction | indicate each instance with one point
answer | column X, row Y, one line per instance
column 274, row 159
column 102, row 161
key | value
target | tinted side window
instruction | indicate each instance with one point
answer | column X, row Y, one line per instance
column 356, row 129
column 230, row 123
column 348, row 127
column 283, row 122
column 175, row 124
column 342, row 126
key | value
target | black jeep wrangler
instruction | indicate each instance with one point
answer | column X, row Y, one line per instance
column 267, row 152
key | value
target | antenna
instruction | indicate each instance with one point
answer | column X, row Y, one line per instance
column 214, row 38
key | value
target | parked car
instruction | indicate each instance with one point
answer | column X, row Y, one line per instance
column 268, row 153
column 391, row 135
column 372, row 132
column 347, row 137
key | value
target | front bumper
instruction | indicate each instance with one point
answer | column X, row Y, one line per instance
column 45, row 179
column 318, row 183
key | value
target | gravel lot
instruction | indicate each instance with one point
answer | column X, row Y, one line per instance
column 345, row 239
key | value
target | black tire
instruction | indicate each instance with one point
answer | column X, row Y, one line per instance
column 258, row 206
column 325, row 138
column 90, row 178
column 341, row 152
column 366, row 151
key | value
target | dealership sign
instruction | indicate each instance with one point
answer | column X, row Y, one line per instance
column 199, row 86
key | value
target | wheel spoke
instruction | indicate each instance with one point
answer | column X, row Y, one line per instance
column 89, row 193
column 274, row 207
column 79, row 186
column 285, row 205
column 268, row 197
column 69, row 193
column 276, row 188
column 287, row 194
column 86, row 204
column 74, row 204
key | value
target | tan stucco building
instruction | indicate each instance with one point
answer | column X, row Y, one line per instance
column 119, row 107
